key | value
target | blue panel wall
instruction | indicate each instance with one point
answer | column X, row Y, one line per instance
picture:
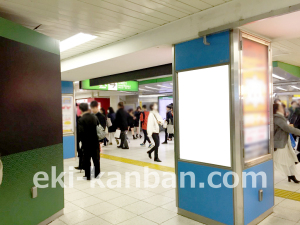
column 67, row 87
column 192, row 54
column 68, row 141
column 69, row 147
column 252, row 206
column 213, row 203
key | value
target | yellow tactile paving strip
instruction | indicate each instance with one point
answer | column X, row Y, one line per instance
column 278, row 192
column 287, row 194
column 138, row 163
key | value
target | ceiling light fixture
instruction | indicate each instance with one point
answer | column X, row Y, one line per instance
column 163, row 86
column 140, row 89
column 152, row 88
column 278, row 77
column 281, row 88
column 295, row 87
column 77, row 39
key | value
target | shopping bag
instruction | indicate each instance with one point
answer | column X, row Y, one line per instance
column 109, row 123
column 117, row 133
column 106, row 130
column 170, row 129
column 100, row 132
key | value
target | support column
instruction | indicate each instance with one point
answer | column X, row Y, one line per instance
column 114, row 100
column 234, row 138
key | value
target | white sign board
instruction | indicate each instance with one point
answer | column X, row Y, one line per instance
column 204, row 115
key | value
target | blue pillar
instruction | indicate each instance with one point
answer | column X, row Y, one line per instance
column 69, row 139
column 210, row 170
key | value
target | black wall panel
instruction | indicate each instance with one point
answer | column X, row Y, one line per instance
column 30, row 98
column 134, row 75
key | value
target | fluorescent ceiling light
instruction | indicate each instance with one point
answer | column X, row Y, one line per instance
column 77, row 39
column 152, row 88
column 145, row 96
column 278, row 77
column 140, row 89
column 281, row 88
column 163, row 86
column 295, row 87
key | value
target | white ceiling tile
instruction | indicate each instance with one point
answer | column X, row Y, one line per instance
column 197, row 4
column 166, row 9
column 214, row 2
column 110, row 20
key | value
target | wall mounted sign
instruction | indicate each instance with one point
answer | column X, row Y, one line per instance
column 67, row 114
column 122, row 86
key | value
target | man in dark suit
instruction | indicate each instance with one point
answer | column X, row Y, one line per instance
column 101, row 118
column 87, row 128
column 121, row 123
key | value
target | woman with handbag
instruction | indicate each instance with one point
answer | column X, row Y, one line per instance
column 169, row 119
column 154, row 120
column 111, row 116
column 285, row 158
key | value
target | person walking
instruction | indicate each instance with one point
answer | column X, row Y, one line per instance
column 168, row 119
column 137, row 115
column 144, row 121
column 292, row 109
column 87, row 128
column 171, row 114
column 79, row 149
column 122, row 124
column 130, row 121
column 111, row 117
column 102, row 111
column 154, row 120
column 284, row 155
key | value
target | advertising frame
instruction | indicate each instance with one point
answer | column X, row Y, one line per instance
column 269, row 156
column 73, row 116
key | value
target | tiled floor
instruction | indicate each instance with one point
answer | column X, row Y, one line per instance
column 85, row 205
column 136, row 152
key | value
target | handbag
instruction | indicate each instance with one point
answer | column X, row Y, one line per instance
column 165, row 125
column 100, row 132
column 170, row 129
column 106, row 130
column 109, row 123
column 117, row 134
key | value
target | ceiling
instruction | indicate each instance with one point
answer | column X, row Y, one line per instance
column 284, row 32
column 156, row 56
column 110, row 20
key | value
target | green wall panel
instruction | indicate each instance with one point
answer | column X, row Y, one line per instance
column 294, row 70
column 16, row 32
column 16, row 205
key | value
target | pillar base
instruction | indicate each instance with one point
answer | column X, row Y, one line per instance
column 52, row 218
column 262, row 217
column 198, row 218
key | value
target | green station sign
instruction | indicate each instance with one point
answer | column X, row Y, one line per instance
column 122, row 86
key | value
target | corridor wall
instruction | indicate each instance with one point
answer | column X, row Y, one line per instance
column 31, row 123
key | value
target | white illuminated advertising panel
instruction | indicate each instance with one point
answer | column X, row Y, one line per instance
column 204, row 115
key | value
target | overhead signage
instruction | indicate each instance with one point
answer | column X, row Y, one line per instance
column 122, row 86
